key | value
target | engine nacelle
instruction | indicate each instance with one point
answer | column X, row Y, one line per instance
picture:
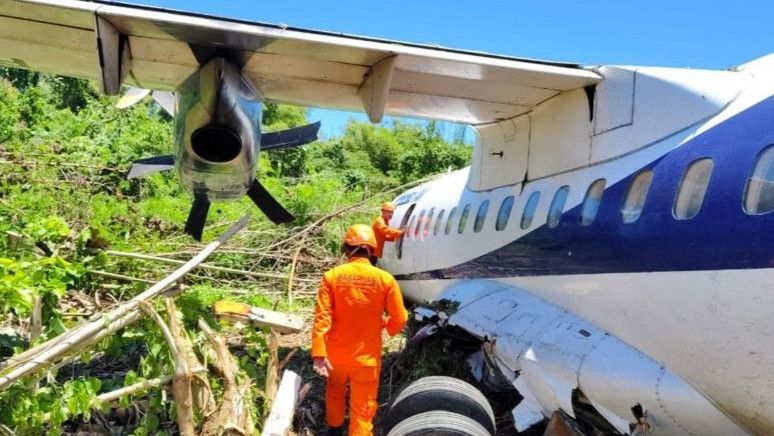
column 218, row 131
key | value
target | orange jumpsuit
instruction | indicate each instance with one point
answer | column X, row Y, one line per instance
column 348, row 322
column 384, row 232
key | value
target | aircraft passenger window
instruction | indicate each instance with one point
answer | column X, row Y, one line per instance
column 438, row 221
column 635, row 197
column 481, row 216
column 428, row 223
column 557, row 206
column 693, row 188
column 759, row 193
column 420, row 222
column 529, row 210
column 452, row 216
column 591, row 202
column 403, row 221
column 504, row 213
column 463, row 219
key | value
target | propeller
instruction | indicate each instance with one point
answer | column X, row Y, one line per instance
column 197, row 216
column 143, row 167
column 133, row 95
column 194, row 226
column 268, row 204
column 290, row 137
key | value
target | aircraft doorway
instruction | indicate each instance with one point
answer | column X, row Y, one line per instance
column 403, row 222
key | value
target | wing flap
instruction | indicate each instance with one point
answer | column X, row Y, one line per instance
column 304, row 67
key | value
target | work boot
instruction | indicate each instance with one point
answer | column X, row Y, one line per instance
column 335, row 431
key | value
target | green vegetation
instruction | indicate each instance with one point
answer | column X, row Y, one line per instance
column 64, row 202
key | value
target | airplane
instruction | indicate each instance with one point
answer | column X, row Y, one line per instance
column 608, row 246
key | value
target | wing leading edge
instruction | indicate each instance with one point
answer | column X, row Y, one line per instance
column 150, row 48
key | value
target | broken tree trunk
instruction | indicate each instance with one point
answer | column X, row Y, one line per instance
column 44, row 357
column 233, row 415
column 181, row 382
column 272, row 369
column 200, row 386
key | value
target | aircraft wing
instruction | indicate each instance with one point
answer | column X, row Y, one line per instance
column 117, row 44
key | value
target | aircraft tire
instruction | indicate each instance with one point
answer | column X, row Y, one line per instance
column 439, row 422
column 443, row 394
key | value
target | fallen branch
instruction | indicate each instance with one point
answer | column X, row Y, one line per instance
column 92, row 328
column 202, row 266
column 233, row 415
column 118, row 276
column 181, row 382
column 135, row 388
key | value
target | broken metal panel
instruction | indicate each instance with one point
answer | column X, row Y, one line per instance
column 550, row 383
column 466, row 292
column 546, row 353
column 529, row 411
column 620, row 424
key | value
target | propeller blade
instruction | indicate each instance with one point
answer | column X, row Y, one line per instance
column 167, row 100
column 132, row 97
column 142, row 167
column 268, row 205
column 290, row 137
column 194, row 226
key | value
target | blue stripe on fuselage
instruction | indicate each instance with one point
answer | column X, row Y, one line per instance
column 720, row 236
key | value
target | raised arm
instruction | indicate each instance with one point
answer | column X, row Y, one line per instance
column 390, row 234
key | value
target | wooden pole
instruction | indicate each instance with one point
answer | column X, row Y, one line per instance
column 94, row 327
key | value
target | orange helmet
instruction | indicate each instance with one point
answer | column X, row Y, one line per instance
column 360, row 234
column 388, row 205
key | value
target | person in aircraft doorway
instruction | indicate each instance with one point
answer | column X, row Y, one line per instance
column 347, row 332
column 383, row 231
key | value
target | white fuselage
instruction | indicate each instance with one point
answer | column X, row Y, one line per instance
column 693, row 293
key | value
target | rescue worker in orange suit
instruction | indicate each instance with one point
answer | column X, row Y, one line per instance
column 382, row 230
column 347, row 332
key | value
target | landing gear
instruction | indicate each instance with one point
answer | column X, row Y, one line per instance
column 450, row 400
column 439, row 422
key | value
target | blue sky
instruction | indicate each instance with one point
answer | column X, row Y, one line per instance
column 715, row 34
